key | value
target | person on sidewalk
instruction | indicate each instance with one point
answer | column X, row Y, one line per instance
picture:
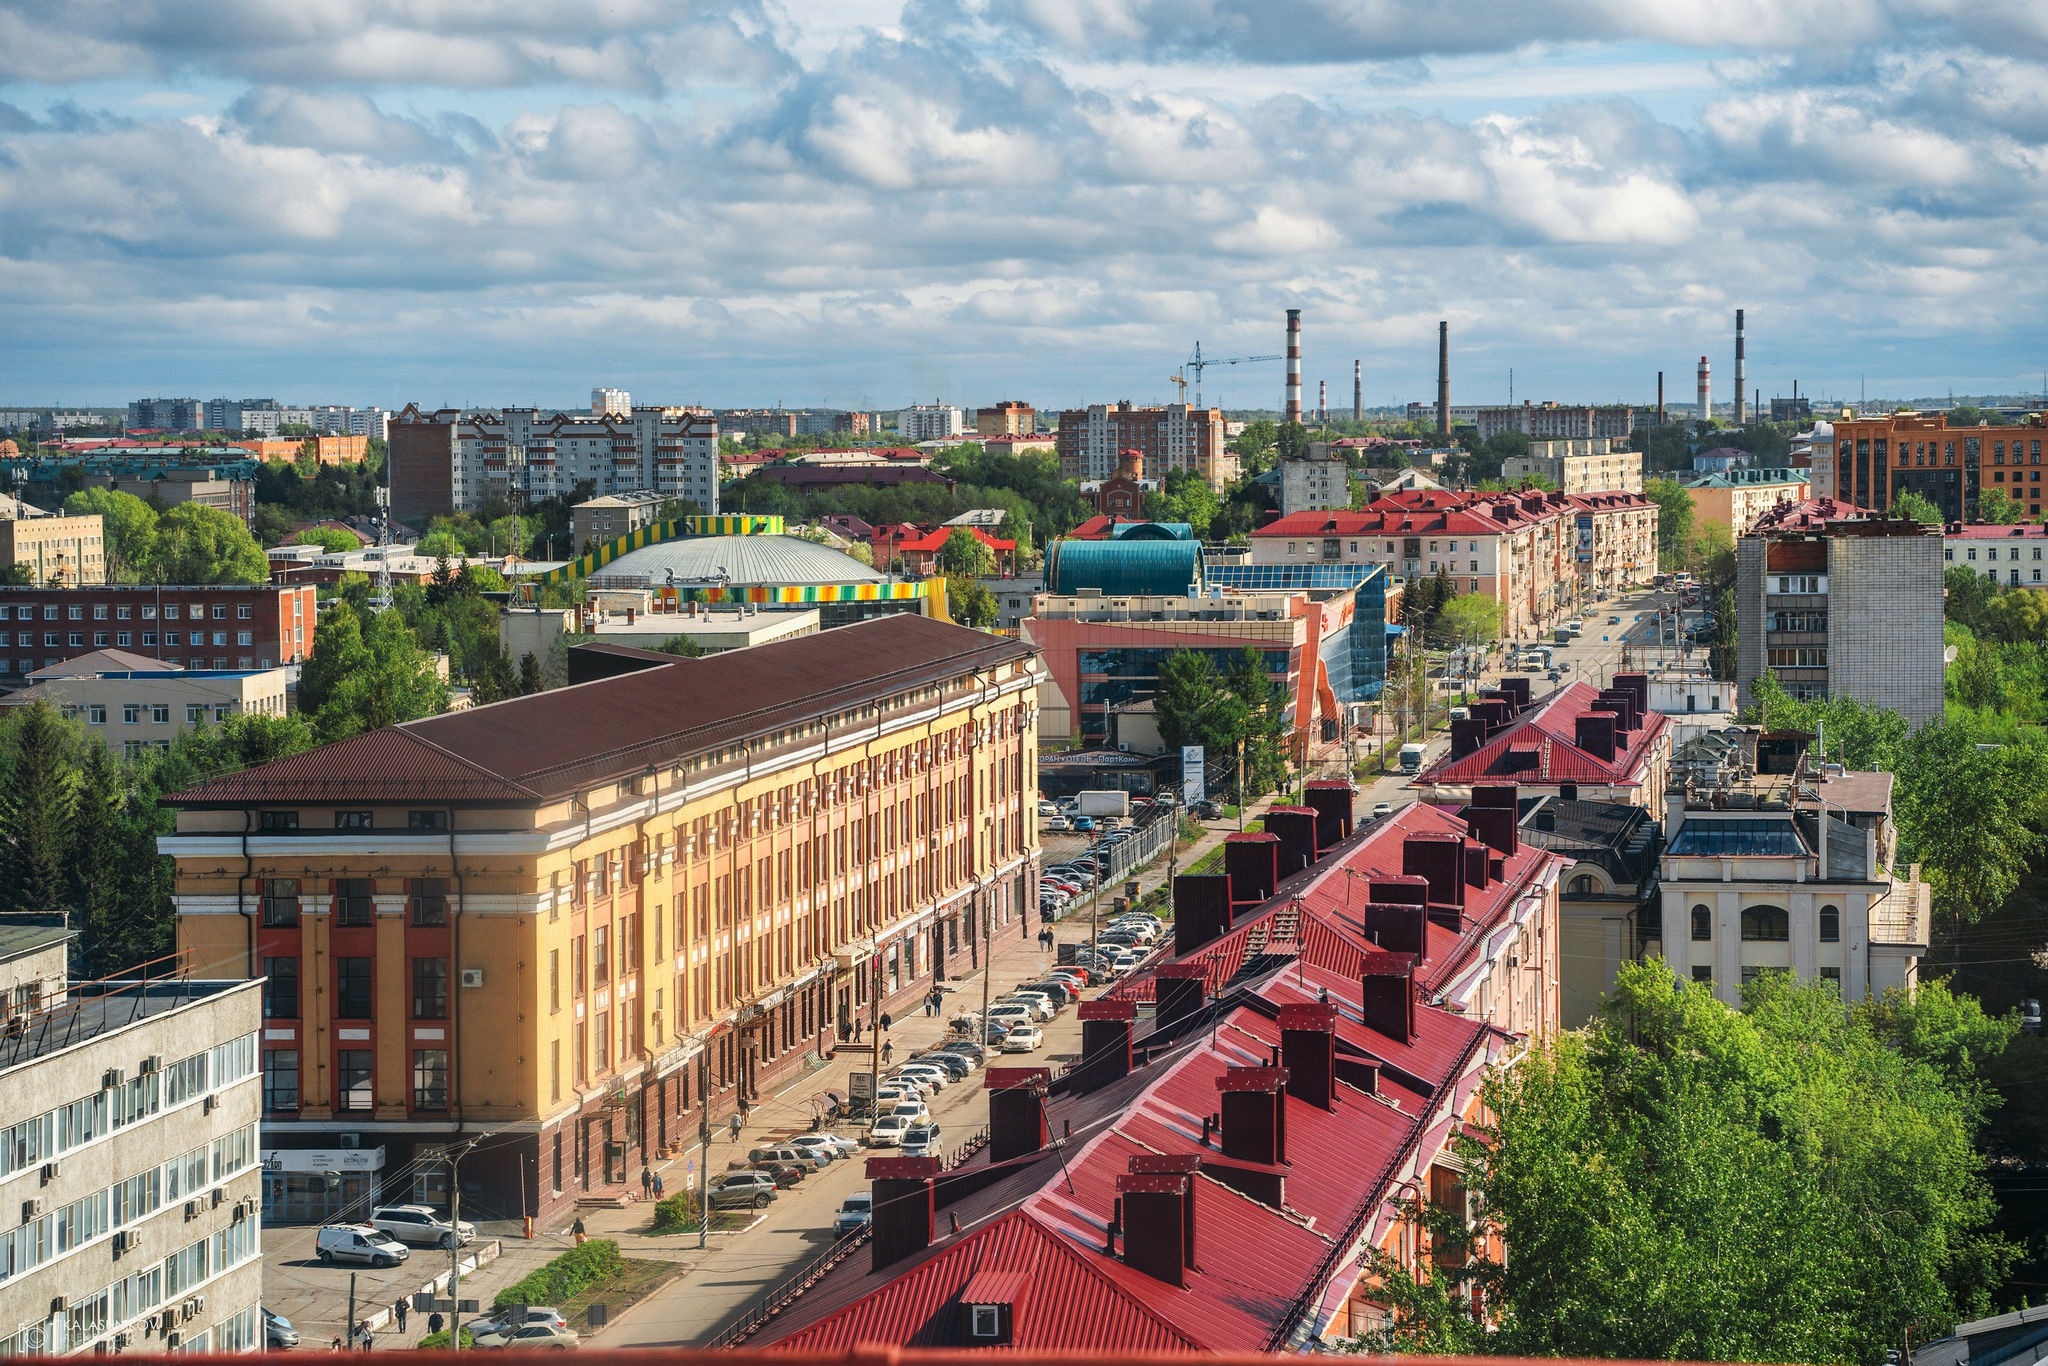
column 888, row 1052
column 735, row 1126
column 646, row 1183
column 399, row 1308
column 435, row 1323
column 885, row 1022
column 660, row 1189
column 577, row 1229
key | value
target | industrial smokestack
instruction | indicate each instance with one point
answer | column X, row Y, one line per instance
column 1293, row 365
column 1739, row 368
column 1660, row 398
column 1323, row 401
column 1706, row 394
column 1443, row 377
column 1358, row 391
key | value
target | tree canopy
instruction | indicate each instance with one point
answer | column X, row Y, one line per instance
column 1674, row 516
column 199, row 544
column 127, row 526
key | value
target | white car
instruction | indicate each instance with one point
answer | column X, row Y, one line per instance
column 826, row 1143
column 888, row 1131
column 1054, row 825
column 359, row 1243
column 1048, row 809
column 1047, row 1007
column 921, row 1140
column 1010, row 1016
column 938, row 1076
column 1024, row 1039
column 421, row 1225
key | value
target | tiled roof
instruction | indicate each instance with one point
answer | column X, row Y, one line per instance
column 1984, row 531
column 1547, row 732
column 550, row 744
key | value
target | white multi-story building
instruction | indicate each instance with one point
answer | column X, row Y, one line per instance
column 930, row 422
column 452, row 460
column 1314, row 483
column 610, row 403
column 133, row 1155
column 336, row 419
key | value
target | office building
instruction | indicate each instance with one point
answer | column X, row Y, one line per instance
column 598, row 520
column 136, row 703
column 574, row 920
column 930, row 422
column 57, row 549
column 1171, row 437
column 1837, row 602
column 1786, row 866
column 1008, row 418
column 455, row 461
column 133, row 1156
column 1874, row 459
column 217, row 626
column 1579, row 465
column 1738, row 497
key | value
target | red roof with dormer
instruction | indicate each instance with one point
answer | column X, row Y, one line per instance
column 1540, row 747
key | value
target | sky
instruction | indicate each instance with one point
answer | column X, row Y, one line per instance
column 869, row 203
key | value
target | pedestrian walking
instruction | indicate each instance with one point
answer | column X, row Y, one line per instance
column 885, row 1022
column 368, row 1335
column 888, row 1052
column 659, row 1188
column 735, row 1125
column 337, row 1343
column 646, row 1183
column 577, row 1229
column 398, row 1311
column 435, row 1323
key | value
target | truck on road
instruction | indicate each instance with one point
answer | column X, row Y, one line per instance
column 1105, row 803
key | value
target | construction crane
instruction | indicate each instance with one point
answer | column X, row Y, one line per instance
column 1198, row 363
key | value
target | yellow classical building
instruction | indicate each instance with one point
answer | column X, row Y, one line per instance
column 586, row 921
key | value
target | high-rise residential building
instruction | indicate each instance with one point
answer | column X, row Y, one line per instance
column 1615, row 421
column 245, row 414
column 1172, row 437
column 166, row 414
column 1871, row 460
column 1835, row 601
column 585, row 921
column 610, row 403
column 1008, row 418
column 133, row 1156
column 1319, row 480
column 459, row 461
column 1586, row 464
column 930, row 422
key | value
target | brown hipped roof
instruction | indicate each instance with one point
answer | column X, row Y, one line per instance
column 527, row 750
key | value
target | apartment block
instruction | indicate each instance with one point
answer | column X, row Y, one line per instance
column 1836, row 602
column 930, row 422
column 133, row 1154
column 1738, row 497
column 166, row 414
column 1008, row 418
column 1173, row 437
column 459, row 461
column 2008, row 555
column 1871, row 460
column 1581, row 465
column 589, row 921
column 1312, row 484
column 599, row 520
column 210, row 626
column 57, row 550
column 1615, row 421
column 136, row 703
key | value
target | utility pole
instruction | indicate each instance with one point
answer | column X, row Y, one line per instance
column 703, row 1147
column 349, row 1336
column 455, row 1156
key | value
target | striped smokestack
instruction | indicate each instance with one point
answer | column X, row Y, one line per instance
column 1660, row 398
column 1358, row 391
column 1322, row 400
column 1443, row 377
column 1706, row 393
column 1293, row 365
column 1739, row 380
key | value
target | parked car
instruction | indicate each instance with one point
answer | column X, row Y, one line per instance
column 938, row 1077
column 786, row 1174
column 1128, row 959
column 359, row 1243
column 420, row 1224
column 1071, row 972
column 1062, row 991
column 1047, row 1006
column 966, row 1048
column 790, row 1153
column 956, row 1066
column 531, row 1335
column 921, row 1140
column 835, row 1144
column 1024, row 1039
column 1048, row 809
column 504, row 1320
column 742, row 1190
column 855, row 1213
column 1037, row 1008
column 1084, row 824
column 1054, row 825
column 1382, row 809
column 888, row 1131
column 912, row 1110
column 278, row 1333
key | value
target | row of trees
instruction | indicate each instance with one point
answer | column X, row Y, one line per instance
column 1222, row 709
column 189, row 543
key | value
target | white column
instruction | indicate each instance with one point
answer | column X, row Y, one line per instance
column 1805, row 935
column 1855, row 946
column 1728, row 948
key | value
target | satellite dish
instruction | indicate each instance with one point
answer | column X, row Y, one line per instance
column 1948, row 656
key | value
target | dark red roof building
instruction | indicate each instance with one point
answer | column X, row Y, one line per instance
column 1582, row 742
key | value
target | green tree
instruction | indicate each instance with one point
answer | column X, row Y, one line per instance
column 331, row 539
column 1996, row 508
column 1791, row 1182
column 1184, row 496
column 36, row 805
column 1712, row 554
column 1910, row 504
column 969, row 602
column 1261, row 721
column 1970, row 816
column 1470, row 619
column 965, row 553
column 338, row 653
column 270, row 524
column 531, row 677
column 200, row 544
column 127, row 527
column 1966, row 596
column 684, row 646
column 1291, row 441
column 1191, row 705
column 493, row 676
column 17, row 575
column 94, row 873
column 1674, row 516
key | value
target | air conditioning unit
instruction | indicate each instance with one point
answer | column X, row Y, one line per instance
column 174, row 1340
column 351, row 1140
column 122, row 1340
column 472, row 977
column 220, row 1196
column 191, row 1210
column 127, row 1240
column 58, row 1304
column 111, row 1078
column 51, row 1171
column 152, row 1063
column 206, row 1106
column 199, row 1304
column 241, row 1210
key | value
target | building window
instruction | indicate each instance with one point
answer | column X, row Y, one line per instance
column 280, row 1079
column 1766, row 924
column 245, row 611
column 1702, row 973
column 353, row 905
column 270, row 820
column 280, row 988
column 1702, row 923
column 280, row 901
column 1830, row 925
column 352, row 989
column 195, row 712
column 426, row 820
column 576, row 966
column 352, row 1079
column 96, row 715
column 160, row 714
column 430, row 988
column 1583, row 885
column 600, row 955
column 430, row 1079
column 603, row 1034
column 353, row 820
column 131, row 715
column 429, row 901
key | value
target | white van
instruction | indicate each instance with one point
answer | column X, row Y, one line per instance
column 359, row 1243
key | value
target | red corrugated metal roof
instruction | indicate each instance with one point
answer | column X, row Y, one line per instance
column 1549, row 728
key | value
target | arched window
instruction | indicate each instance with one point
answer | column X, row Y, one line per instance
column 1830, row 925
column 1767, row 923
column 1702, row 923
column 1583, row 885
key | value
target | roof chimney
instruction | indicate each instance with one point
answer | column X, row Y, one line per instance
column 1308, row 1053
column 1105, row 1043
column 1016, row 1111
column 1252, row 862
column 1397, row 916
column 1625, row 699
column 1441, row 860
column 1516, row 686
column 1639, row 684
column 1179, row 992
column 1467, row 735
column 1254, row 1113
column 1296, row 827
column 1159, row 1222
column 902, row 1224
column 1389, row 995
column 1593, row 732
column 1331, row 801
column 1201, row 910
column 1476, row 855
column 1495, row 825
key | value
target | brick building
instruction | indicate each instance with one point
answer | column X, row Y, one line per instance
column 211, row 626
column 1871, row 460
column 1172, row 437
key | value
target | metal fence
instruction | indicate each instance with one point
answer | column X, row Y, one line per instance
column 1150, row 838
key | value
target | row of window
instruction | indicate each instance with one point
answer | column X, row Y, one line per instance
column 1768, row 924
column 1991, row 553
column 1800, row 657
column 277, row 822
column 76, row 611
column 101, row 639
column 354, row 1079
column 1919, row 453
column 1815, row 621
column 26, row 665
column 32, row 1141
column 353, row 902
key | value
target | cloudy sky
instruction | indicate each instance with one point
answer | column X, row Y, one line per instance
column 873, row 202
